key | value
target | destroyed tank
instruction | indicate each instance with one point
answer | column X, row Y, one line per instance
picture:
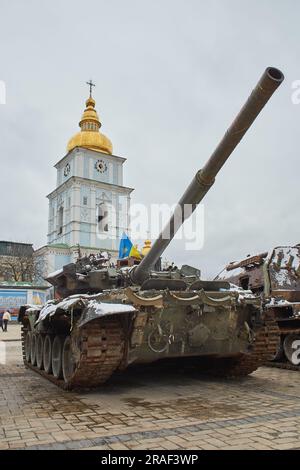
column 110, row 317
column 274, row 275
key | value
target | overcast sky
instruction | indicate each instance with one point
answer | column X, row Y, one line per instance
column 171, row 75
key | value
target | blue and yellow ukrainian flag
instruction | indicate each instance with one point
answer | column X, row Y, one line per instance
column 127, row 248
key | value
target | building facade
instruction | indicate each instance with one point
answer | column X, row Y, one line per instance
column 19, row 278
column 15, row 294
column 89, row 208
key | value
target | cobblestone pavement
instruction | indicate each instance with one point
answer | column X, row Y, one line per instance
column 161, row 406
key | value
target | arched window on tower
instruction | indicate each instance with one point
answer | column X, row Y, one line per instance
column 60, row 220
column 102, row 217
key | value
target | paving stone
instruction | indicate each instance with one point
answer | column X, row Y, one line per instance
column 147, row 408
column 118, row 446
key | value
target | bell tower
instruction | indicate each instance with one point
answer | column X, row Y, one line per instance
column 89, row 208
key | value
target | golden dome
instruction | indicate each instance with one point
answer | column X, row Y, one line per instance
column 146, row 247
column 89, row 137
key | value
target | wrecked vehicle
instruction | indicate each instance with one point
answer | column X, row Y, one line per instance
column 276, row 277
column 109, row 318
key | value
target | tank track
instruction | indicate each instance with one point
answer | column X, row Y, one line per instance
column 101, row 352
column 23, row 337
column 264, row 348
column 283, row 365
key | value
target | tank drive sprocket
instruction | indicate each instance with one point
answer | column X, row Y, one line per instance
column 265, row 345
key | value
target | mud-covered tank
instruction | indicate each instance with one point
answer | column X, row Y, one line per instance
column 275, row 275
column 109, row 318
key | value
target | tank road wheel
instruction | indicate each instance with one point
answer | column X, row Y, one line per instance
column 47, row 354
column 57, row 356
column 39, row 351
column 33, row 348
column 68, row 364
column 27, row 343
column 291, row 346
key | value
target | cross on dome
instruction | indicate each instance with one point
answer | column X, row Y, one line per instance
column 90, row 84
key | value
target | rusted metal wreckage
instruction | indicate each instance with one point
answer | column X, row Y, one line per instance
column 275, row 276
column 111, row 317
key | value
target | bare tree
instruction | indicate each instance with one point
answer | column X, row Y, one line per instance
column 20, row 268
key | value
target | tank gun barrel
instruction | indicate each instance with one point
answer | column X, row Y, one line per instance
column 204, row 178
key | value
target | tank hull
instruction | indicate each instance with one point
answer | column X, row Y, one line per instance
column 274, row 276
column 86, row 343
